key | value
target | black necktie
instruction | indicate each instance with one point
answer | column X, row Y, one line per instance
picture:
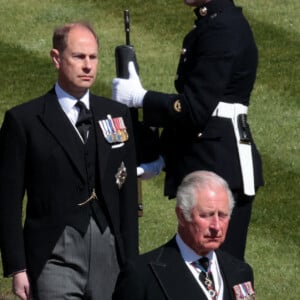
column 84, row 120
column 206, row 278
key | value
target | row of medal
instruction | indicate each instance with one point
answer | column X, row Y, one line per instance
column 114, row 129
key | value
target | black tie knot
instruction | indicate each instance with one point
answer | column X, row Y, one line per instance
column 204, row 262
column 84, row 120
column 84, row 115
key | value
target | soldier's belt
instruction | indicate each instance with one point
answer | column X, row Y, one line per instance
column 238, row 114
column 229, row 110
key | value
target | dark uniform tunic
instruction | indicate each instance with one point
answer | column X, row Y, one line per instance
column 218, row 63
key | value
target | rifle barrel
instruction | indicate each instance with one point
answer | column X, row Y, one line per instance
column 127, row 26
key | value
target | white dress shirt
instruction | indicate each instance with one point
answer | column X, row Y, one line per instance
column 189, row 256
column 68, row 104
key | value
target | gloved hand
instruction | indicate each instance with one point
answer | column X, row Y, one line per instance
column 149, row 170
column 129, row 91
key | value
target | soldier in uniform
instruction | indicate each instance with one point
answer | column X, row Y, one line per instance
column 205, row 122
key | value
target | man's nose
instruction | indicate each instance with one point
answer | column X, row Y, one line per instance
column 87, row 63
column 215, row 222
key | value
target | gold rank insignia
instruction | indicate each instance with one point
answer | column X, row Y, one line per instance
column 177, row 106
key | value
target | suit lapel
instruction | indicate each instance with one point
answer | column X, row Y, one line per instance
column 226, row 270
column 63, row 131
column 58, row 124
column 169, row 263
column 103, row 148
column 175, row 279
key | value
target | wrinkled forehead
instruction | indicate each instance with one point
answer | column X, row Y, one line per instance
column 212, row 199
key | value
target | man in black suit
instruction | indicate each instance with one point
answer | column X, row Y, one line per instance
column 190, row 266
column 205, row 123
column 73, row 154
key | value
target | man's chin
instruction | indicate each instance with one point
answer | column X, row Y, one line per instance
column 86, row 84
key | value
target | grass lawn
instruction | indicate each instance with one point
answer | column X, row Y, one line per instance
column 158, row 27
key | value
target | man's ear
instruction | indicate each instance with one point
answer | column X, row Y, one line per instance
column 54, row 53
column 180, row 216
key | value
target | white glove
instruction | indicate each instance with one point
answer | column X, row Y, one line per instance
column 129, row 91
column 149, row 170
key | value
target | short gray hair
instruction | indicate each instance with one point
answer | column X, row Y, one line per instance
column 195, row 181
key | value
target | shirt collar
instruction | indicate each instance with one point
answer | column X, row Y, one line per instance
column 67, row 101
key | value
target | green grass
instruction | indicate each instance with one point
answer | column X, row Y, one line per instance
column 158, row 27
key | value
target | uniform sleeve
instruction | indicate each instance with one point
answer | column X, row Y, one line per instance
column 207, row 73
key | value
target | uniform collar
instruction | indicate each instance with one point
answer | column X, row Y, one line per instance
column 212, row 8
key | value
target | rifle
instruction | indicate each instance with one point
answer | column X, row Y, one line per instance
column 146, row 138
column 123, row 55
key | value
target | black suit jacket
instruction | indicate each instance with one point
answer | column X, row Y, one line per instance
column 162, row 274
column 42, row 155
column 218, row 63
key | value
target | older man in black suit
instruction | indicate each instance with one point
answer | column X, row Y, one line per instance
column 73, row 154
column 190, row 266
column 205, row 122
